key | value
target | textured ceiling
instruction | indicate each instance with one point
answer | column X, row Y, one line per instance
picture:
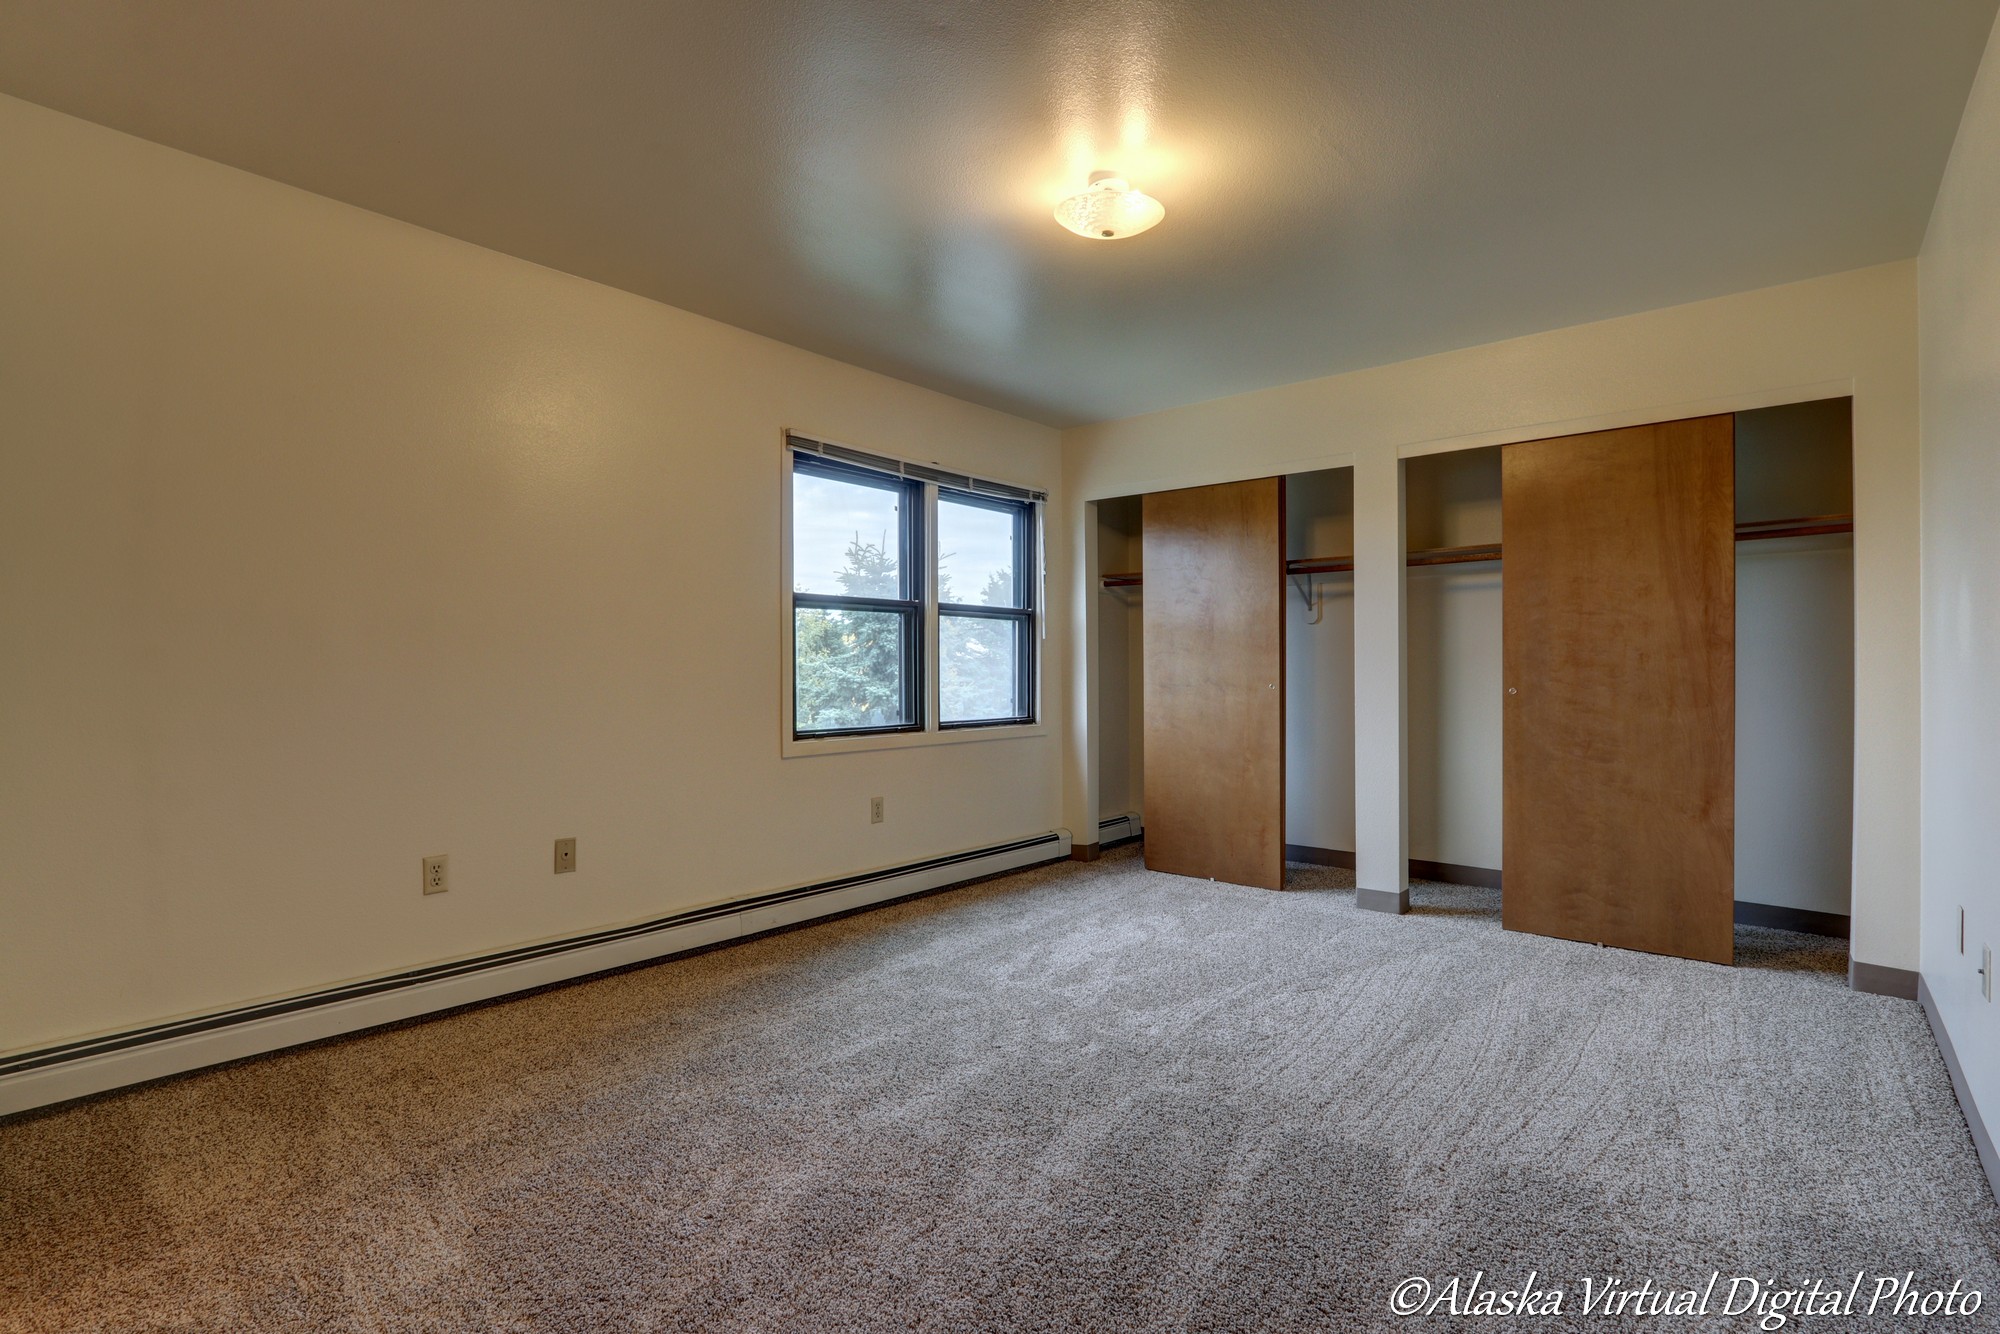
column 1348, row 182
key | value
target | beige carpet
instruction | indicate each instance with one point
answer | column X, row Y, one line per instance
column 1084, row 1098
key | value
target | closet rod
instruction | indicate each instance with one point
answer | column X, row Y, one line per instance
column 1755, row 530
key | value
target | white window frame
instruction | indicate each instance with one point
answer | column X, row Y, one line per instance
column 792, row 746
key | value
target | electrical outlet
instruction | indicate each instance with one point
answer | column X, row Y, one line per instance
column 434, row 875
column 874, row 810
column 565, row 855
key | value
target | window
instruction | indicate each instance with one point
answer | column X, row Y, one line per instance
column 912, row 599
column 985, row 616
column 857, row 601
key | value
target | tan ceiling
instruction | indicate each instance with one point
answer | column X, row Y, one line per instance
column 1348, row 182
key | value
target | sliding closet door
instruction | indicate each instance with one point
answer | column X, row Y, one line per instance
column 1214, row 561
column 1619, row 605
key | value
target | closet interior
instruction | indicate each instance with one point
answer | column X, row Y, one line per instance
column 1319, row 668
column 1121, row 671
column 1451, row 659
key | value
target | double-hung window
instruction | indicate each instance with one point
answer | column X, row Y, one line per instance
column 986, row 610
column 857, row 600
column 912, row 597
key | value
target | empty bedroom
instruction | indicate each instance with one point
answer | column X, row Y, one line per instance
column 1276, row 665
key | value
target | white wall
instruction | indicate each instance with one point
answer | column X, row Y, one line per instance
column 1847, row 334
column 1794, row 722
column 1455, row 753
column 1960, row 332
column 327, row 543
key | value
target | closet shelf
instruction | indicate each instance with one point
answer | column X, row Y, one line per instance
column 1456, row 555
column 1812, row 526
column 1756, row 530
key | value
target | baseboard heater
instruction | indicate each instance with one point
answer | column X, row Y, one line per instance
column 1118, row 829
column 67, row 1070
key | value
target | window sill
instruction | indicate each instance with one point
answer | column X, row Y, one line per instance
column 796, row 748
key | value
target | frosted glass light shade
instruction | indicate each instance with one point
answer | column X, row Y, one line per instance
column 1109, row 208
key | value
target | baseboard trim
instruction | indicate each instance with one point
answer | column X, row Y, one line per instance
column 1451, row 873
column 1982, row 1138
column 66, row 1070
column 1812, row 922
column 1748, row 914
column 1085, row 852
column 1879, row 979
column 1383, row 900
column 1448, row 873
column 1312, row 856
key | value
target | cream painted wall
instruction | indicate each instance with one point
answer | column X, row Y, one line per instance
column 1959, row 281
column 327, row 543
column 1850, row 333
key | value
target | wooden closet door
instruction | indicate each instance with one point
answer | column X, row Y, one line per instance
column 1619, row 606
column 1214, row 561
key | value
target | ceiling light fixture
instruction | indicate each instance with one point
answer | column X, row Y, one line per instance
column 1109, row 208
